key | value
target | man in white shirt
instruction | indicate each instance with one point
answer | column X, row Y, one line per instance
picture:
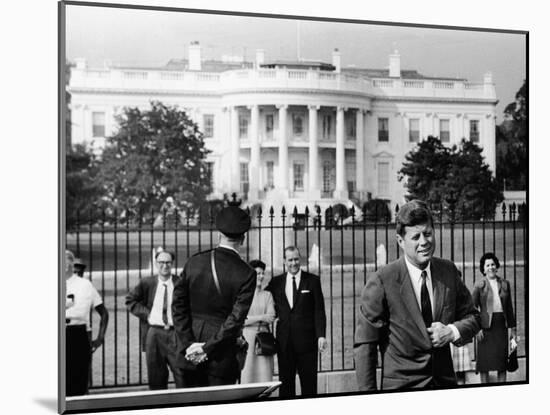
column 81, row 297
column 412, row 309
column 151, row 301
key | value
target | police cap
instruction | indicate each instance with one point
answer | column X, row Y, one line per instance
column 232, row 221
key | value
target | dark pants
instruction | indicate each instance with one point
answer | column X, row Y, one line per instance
column 200, row 377
column 305, row 364
column 160, row 353
column 78, row 359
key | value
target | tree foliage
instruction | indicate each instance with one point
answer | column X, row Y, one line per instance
column 456, row 175
column 83, row 192
column 155, row 154
column 511, row 142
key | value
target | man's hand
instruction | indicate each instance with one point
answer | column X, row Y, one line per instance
column 322, row 343
column 195, row 354
column 96, row 344
column 440, row 334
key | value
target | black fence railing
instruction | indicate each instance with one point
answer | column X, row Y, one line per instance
column 341, row 249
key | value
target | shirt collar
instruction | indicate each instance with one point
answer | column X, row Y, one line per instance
column 168, row 281
column 229, row 247
column 416, row 273
column 298, row 276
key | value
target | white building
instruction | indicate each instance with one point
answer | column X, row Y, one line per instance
column 299, row 132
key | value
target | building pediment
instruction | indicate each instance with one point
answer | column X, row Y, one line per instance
column 383, row 154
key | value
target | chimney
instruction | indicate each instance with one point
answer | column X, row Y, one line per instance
column 80, row 63
column 336, row 61
column 395, row 64
column 488, row 78
column 260, row 57
column 195, row 56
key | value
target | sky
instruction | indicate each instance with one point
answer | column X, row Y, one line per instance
column 153, row 37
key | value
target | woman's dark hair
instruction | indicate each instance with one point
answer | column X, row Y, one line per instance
column 485, row 257
column 256, row 263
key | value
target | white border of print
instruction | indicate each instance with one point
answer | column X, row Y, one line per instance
column 29, row 208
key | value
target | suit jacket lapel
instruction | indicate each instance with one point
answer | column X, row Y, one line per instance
column 409, row 298
column 438, row 291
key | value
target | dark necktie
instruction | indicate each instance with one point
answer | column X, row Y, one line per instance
column 165, row 305
column 294, row 291
column 425, row 301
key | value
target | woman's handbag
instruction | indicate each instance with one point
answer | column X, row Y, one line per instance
column 265, row 344
column 512, row 361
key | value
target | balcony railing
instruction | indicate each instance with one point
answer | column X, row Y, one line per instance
column 258, row 79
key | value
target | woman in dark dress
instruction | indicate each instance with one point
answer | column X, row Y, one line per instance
column 493, row 297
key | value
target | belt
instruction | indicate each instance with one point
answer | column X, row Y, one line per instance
column 162, row 327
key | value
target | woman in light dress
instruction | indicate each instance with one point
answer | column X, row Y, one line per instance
column 260, row 316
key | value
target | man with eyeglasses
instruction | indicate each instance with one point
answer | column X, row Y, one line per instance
column 151, row 302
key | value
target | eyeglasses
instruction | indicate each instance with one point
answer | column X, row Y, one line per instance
column 167, row 263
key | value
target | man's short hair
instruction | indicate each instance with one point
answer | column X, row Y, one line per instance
column 70, row 255
column 485, row 257
column 172, row 256
column 290, row 248
column 256, row 263
column 415, row 212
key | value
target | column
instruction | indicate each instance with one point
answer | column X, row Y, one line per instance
column 235, row 151
column 360, row 151
column 254, row 165
column 314, row 189
column 341, row 190
column 283, row 152
column 488, row 141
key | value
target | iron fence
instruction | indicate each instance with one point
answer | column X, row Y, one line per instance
column 341, row 249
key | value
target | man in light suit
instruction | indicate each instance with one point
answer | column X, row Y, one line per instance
column 150, row 301
column 412, row 309
column 211, row 303
column 301, row 327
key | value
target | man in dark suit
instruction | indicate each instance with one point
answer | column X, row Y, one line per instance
column 211, row 303
column 301, row 325
column 151, row 301
column 412, row 309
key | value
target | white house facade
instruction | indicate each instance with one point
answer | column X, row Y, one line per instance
column 300, row 133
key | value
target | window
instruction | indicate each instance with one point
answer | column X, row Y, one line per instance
column 383, row 130
column 98, row 124
column 208, row 122
column 297, row 125
column 445, row 131
column 269, row 126
column 414, row 130
column 243, row 127
column 270, row 176
column 210, row 174
column 351, row 172
column 328, row 171
column 351, row 126
column 474, row 131
column 244, row 177
column 383, row 178
column 327, row 126
column 298, row 177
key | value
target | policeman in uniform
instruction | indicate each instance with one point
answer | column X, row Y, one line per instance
column 210, row 304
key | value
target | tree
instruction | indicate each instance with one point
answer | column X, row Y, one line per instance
column 155, row 154
column 457, row 175
column 83, row 193
column 511, row 142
